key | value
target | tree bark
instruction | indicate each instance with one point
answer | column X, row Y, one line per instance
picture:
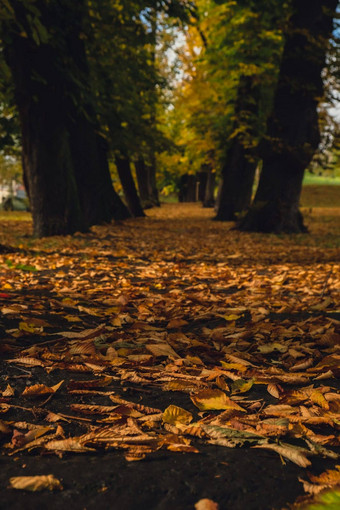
column 187, row 188
column 237, row 182
column 201, row 179
column 143, row 181
column 42, row 105
column 152, row 181
column 65, row 166
column 292, row 132
column 209, row 198
column 238, row 171
column 129, row 188
column 99, row 201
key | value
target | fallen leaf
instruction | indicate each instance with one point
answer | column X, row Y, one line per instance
column 174, row 415
column 37, row 390
column 295, row 454
column 35, row 483
column 161, row 350
column 208, row 399
column 206, row 504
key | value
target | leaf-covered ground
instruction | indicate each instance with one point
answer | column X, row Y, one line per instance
column 169, row 360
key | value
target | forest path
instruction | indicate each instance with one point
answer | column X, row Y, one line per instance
column 159, row 361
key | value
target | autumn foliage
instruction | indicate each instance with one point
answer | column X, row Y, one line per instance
column 237, row 334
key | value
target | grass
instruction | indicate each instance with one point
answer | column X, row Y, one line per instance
column 15, row 216
column 321, row 180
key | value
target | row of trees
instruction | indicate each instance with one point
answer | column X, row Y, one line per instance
column 251, row 95
column 93, row 82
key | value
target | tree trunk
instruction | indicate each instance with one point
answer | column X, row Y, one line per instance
column 238, row 171
column 209, row 198
column 142, row 173
column 65, row 167
column 237, row 182
column 292, row 133
column 42, row 106
column 187, row 188
column 201, row 179
column 129, row 188
column 146, row 179
column 99, row 201
column 152, row 181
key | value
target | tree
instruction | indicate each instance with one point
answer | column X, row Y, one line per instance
column 292, row 131
column 64, row 160
column 248, row 42
column 129, row 188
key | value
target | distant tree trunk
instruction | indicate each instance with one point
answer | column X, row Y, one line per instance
column 99, row 201
column 201, row 178
column 152, row 180
column 237, row 182
column 143, row 180
column 292, row 133
column 187, row 188
column 239, row 167
column 209, row 197
column 129, row 188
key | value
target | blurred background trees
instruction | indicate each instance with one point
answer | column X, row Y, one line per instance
column 113, row 104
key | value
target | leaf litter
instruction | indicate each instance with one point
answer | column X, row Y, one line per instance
column 242, row 326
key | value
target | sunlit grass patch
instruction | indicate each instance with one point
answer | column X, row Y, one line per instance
column 15, row 216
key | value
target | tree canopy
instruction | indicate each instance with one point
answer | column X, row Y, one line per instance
column 173, row 87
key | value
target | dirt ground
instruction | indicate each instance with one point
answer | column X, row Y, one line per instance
column 131, row 280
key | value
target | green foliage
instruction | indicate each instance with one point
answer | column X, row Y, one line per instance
column 229, row 64
column 10, row 169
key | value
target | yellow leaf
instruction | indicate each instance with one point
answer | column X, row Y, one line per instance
column 29, row 328
column 180, row 385
column 234, row 366
column 182, row 448
column 35, row 483
column 231, row 317
column 273, row 347
column 318, row 398
column 207, row 400
column 241, row 385
column 174, row 415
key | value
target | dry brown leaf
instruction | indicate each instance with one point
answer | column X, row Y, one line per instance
column 161, row 350
column 206, row 504
column 208, row 399
column 176, row 323
column 9, row 391
column 295, row 454
column 73, row 444
column 35, row 483
column 37, row 390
